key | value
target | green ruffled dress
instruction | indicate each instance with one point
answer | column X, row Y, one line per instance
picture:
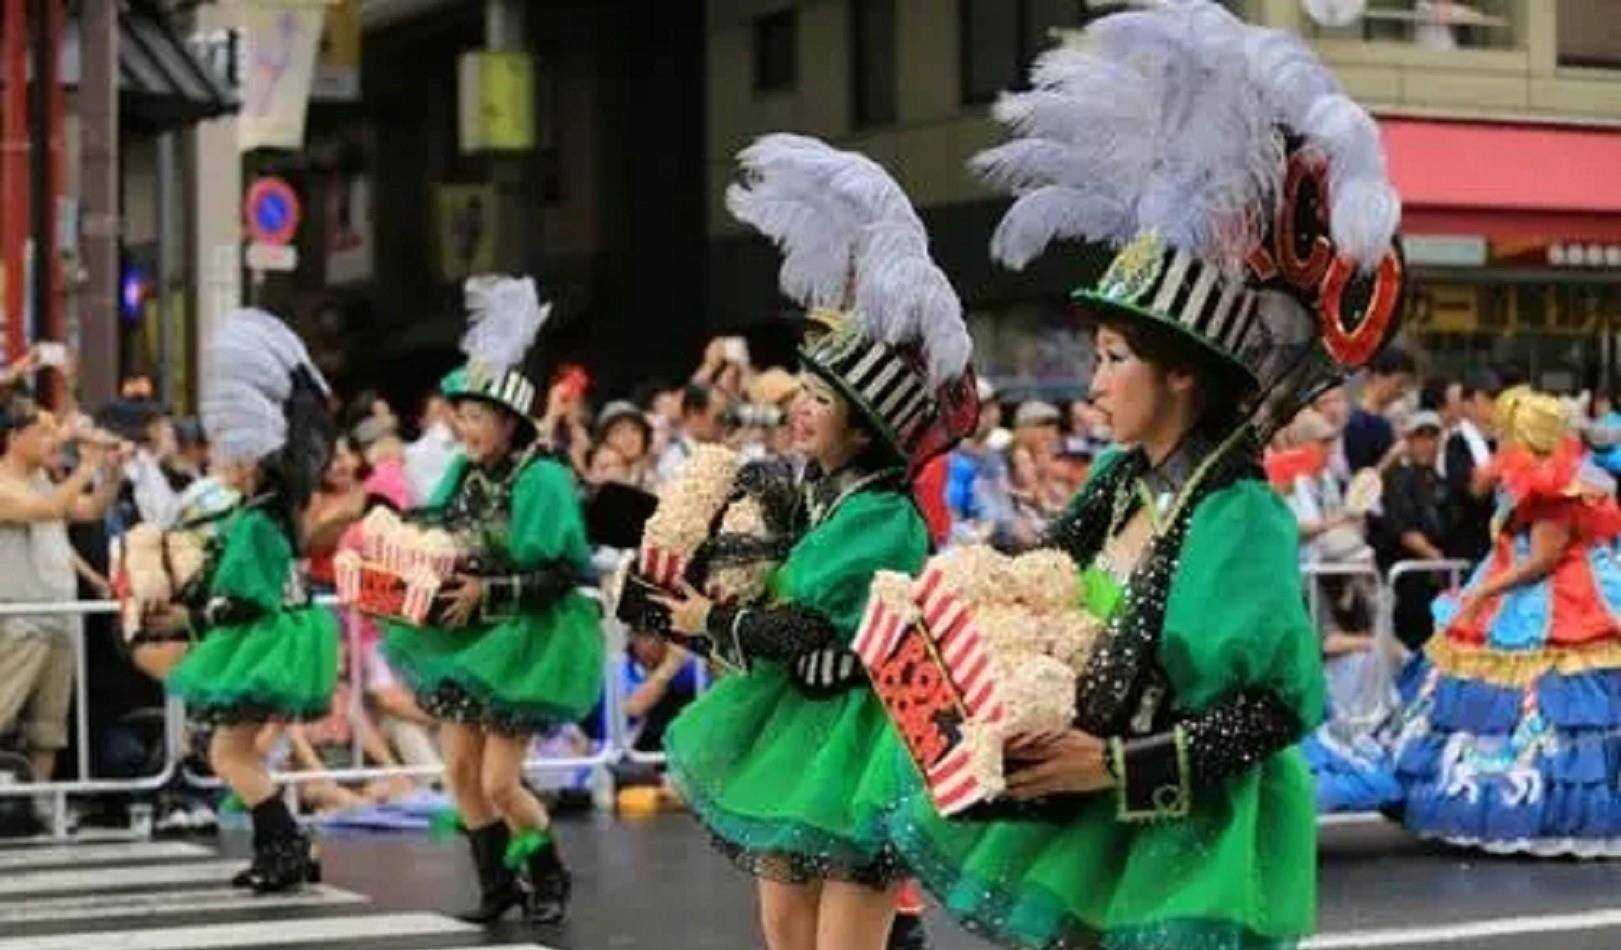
column 790, row 785
column 1239, row 871
column 521, row 674
column 280, row 667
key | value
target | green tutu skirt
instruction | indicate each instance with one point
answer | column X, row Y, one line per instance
column 1234, row 875
column 518, row 676
column 280, row 668
column 788, row 784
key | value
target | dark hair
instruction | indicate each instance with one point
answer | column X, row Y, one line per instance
column 1221, row 386
column 696, row 398
column 18, row 410
column 1433, row 395
column 1512, row 376
column 1392, row 360
column 1482, row 382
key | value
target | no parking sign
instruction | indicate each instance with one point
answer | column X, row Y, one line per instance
column 271, row 213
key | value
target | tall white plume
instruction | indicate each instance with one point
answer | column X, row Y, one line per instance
column 1170, row 119
column 504, row 315
column 850, row 238
column 251, row 359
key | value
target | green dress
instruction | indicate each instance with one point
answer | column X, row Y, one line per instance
column 1238, row 869
column 280, row 666
column 522, row 671
column 789, row 782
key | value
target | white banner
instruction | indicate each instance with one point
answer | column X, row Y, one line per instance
column 280, row 41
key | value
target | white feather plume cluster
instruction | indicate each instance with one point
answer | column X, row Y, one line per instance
column 851, row 239
column 251, row 360
column 504, row 315
column 1168, row 119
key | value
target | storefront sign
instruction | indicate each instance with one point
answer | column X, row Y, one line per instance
column 497, row 102
column 281, row 38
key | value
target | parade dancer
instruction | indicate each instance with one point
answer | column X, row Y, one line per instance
column 264, row 653
column 778, row 760
column 515, row 648
column 1174, row 813
column 1509, row 742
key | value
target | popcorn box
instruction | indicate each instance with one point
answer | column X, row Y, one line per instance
column 378, row 591
column 662, row 566
column 928, row 664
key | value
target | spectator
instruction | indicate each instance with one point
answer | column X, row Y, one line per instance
column 1038, row 495
column 1416, row 521
column 337, row 504
column 977, row 490
column 659, row 681
column 703, row 413
column 1463, row 464
column 1370, row 439
column 429, row 457
column 1335, row 407
column 191, row 459
column 37, row 565
column 624, row 431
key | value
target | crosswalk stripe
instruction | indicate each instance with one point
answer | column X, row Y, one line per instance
column 119, row 878
column 110, row 853
column 326, row 931
column 207, row 900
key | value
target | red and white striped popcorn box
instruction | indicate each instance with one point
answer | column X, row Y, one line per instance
column 420, row 592
column 346, row 566
column 661, row 565
column 953, row 785
column 950, row 622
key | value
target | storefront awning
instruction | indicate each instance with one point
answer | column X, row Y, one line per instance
column 161, row 83
column 1503, row 180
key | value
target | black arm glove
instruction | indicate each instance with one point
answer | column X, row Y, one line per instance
column 223, row 612
column 785, row 632
column 1156, row 775
column 507, row 595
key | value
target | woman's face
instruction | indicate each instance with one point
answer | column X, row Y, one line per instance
column 608, row 465
column 486, row 432
column 821, row 423
column 625, row 437
column 1131, row 393
column 343, row 472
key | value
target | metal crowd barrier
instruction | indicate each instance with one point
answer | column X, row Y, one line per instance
column 615, row 746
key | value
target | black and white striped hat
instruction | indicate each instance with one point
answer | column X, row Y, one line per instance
column 1174, row 288
column 510, row 390
column 887, row 384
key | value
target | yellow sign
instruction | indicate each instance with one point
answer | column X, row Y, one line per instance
column 465, row 225
column 337, row 67
column 497, row 95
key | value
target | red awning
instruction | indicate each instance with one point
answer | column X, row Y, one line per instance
column 1503, row 180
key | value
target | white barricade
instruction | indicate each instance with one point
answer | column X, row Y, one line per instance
column 615, row 745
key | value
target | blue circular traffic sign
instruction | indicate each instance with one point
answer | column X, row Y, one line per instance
column 272, row 211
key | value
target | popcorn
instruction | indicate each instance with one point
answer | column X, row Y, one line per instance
column 747, row 582
column 979, row 648
column 686, row 511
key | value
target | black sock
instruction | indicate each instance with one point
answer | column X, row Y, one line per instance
column 272, row 821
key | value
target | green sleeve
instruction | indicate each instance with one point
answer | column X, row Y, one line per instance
column 1236, row 618
column 255, row 561
column 830, row 570
column 546, row 525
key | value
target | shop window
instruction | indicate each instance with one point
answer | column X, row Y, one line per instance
column 1432, row 24
column 776, row 52
column 1000, row 38
column 1589, row 33
column 872, row 53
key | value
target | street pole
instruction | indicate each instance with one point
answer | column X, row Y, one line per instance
column 14, row 175
column 98, row 115
column 504, row 33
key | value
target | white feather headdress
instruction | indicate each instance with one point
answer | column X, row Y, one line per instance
column 851, row 240
column 252, row 359
column 1169, row 120
column 504, row 315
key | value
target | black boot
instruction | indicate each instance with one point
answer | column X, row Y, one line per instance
column 282, row 859
column 549, row 885
column 498, row 886
column 907, row 933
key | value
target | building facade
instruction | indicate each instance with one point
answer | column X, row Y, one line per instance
column 1498, row 115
